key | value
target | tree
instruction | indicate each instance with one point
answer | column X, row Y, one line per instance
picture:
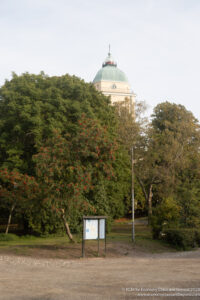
column 131, row 134
column 131, row 127
column 71, row 166
column 31, row 106
column 171, row 154
column 152, row 169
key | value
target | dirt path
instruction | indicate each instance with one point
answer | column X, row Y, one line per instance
column 99, row 278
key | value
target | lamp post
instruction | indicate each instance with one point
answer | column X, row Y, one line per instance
column 132, row 194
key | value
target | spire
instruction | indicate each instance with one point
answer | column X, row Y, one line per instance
column 109, row 60
column 109, row 50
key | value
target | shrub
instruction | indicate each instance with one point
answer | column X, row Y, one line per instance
column 8, row 237
column 156, row 230
column 197, row 233
column 164, row 215
column 183, row 238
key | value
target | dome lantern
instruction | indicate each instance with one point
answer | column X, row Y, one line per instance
column 109, row 61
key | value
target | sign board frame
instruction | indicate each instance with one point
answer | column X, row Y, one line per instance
column 94, row 228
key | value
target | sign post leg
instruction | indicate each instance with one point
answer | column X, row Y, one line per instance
column 105, row 237
column 98, row 234
column 83, row 240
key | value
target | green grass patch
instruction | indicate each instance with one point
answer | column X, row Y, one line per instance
column 143, row 238
column 8, row 237
column 120, row 234
column 33, row 241
column 144, row 241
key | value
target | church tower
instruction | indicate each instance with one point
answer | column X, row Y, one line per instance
column 112, row 82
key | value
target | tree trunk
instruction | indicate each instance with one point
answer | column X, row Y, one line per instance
column 148, row 198
column 67, row 229
column 9, row 218
column 150, row 204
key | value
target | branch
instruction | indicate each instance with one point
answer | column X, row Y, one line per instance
column 142, row 187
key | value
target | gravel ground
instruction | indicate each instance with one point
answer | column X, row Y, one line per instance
column 101, row 278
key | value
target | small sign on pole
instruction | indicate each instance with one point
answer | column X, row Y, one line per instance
column 94, row 228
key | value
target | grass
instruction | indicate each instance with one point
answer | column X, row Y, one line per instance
column 144, row 241
column 36, row 241
column 60, row 246
column 120, row 233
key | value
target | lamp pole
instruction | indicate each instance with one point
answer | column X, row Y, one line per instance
column 132, row 195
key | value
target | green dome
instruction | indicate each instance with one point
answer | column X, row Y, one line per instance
column 110, row 72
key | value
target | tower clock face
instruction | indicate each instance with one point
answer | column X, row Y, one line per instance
column 114, row 86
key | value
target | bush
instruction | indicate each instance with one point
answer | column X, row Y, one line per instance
column 197, row 233
column 42, row 220
column 156, row 231
column 165, row 214
column 8, row 237
column 183, row 238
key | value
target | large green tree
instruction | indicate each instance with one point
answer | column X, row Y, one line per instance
column 70, row 167
column 171, row 158
column 31, row 106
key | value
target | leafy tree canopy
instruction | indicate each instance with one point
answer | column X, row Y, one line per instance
column 31, row 106
column 69, row 168
column 172, row 161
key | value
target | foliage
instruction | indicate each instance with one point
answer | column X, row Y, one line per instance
column 131, row 133
column 119, row 187
column 8, row 237
column 70, row 167
column 130, row 126
column 164, row 214
column 32, row 106
column 176, row 135
column 183, row 238
column 16, row 192
column 171, row 161
column 188, row 198
column 16, row 188
column 71, row 130
column 41, row 219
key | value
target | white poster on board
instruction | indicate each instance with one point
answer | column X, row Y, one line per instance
column 91, row 229
column 102, row 229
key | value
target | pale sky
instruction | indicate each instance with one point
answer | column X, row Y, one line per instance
column 155, row 42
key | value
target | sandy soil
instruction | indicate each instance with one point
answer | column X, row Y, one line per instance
column 101, row 278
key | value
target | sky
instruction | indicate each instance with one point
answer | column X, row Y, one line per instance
column 155, row 42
